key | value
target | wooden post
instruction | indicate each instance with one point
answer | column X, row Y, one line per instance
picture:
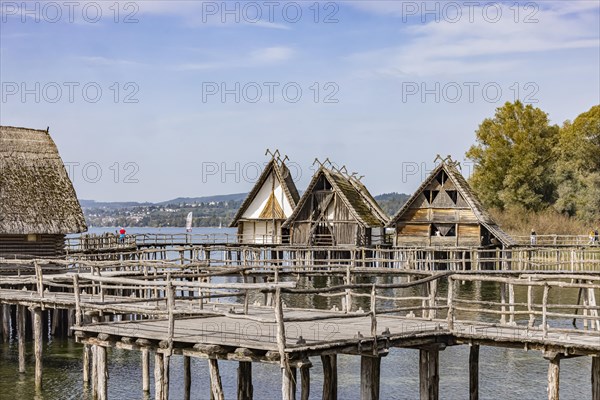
column 429, row 374
column 86, row 364
column 474, row 372
column 288, row 377
column 511, row 305
column 369, row 377
column 245, row 389
column 21, row 336
column 159, row 376
column 305, row 378
column 187, row 378
column 450, row 305
column 553, row 378
column 215, row 379
column 545, row 310
column 595, row 378
column 5, row 322
column 145, row 370
column 102, row 373
column 503, row 301
column 329, row 376
column 433, row 288
column 166, row 361
column 37, row 336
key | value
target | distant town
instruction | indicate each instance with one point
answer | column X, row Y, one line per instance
column 210, row 211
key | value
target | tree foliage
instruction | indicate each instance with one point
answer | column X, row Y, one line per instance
column 514, row 158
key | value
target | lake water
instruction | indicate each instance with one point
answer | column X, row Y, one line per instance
column 504, row 373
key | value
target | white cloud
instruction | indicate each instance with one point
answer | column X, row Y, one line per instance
column 262, row 57
column 467, row 47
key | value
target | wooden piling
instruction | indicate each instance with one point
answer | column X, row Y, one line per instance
column 145, row 370
column 166, row 374
column 553, row 378
column 37, row 335
column 5, row 322
column 305, row 385
column 21, row 336
column 245, row 388
column 102, row 373
column 288, row 384
column 329, row 362
column 159, row 377
column 86, row 363
column 428, row 374
column 187, row 378
column 369, row 377
column 474, row 372
column 215, row 380
column 595, row 378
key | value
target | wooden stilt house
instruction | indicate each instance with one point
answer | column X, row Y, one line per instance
column 268, row 205
column 38, row 205
column 444, row 211
column 336, row 209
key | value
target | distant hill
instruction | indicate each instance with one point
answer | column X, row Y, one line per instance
column 207, row 210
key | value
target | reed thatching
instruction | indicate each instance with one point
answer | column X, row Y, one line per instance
column 36, row 194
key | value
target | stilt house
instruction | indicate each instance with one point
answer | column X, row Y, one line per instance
column 444, row 211
column 336, row 209
column 38, row 205
column 269, row 203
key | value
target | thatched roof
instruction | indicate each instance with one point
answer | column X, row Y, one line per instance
column 284, row 176
column 463, row 187
column 36, row 194
column 352, row 192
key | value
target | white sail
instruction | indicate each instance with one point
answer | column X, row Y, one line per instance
column 188, row 222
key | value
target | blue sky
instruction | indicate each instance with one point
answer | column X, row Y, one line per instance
column 385, row 85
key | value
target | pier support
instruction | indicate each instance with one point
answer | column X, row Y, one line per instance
column 37, row 336
column 305, row 378
column 21, row 336
column 86, row 364
column 329, row 376
column 474, row 372
column 102, row 373
column 159, row 376
column 166, row 367
column 145, row 370
column 595, row 378
column 288, row 383
column 215, row 380
column 5, row 322
column 369, row 377
column 245, row 388
column 187, row 378
column 553, row 378
column 429, row 373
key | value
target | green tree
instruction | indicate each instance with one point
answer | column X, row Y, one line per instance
column 578, row 167
column 514, row 158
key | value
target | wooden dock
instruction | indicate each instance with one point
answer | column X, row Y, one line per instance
column 237, row 312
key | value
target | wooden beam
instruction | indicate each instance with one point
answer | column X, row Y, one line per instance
column 215, row 379
column 245, row 388
column 369, row 377
column 329, row 376
column 553, row 378
column 37, row 336
column 187, row 378
column 305, row 378
column 102, row 373
column 595, row 378
column 474, row 372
